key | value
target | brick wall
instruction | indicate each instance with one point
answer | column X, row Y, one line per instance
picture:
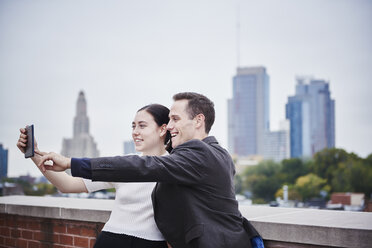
column 344, row 199
column 30, row 232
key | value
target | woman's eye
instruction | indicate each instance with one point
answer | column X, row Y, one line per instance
column 142, row 126
column 133, row 126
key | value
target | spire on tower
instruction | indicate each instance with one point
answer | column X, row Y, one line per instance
column 81, row 120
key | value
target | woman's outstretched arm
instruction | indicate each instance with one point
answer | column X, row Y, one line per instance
column 63, row 181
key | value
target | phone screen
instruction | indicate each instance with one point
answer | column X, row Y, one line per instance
column 30, row 150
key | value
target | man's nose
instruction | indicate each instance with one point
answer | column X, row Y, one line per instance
column 170, row 125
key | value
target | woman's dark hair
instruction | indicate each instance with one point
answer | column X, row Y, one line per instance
column 160, row 114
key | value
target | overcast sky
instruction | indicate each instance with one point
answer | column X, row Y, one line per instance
column 126, row 54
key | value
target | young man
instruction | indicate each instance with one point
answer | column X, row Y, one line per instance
column 194, row 200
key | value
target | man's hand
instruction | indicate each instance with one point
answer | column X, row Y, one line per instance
column 60, row 163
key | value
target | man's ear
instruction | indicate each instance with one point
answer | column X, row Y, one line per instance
column 200, row 120
column 163, row 130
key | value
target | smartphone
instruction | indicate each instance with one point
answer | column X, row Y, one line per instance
column 30, row 149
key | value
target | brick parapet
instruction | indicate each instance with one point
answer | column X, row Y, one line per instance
column 26, row 232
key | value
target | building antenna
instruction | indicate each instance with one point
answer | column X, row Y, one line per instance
column 238, row 35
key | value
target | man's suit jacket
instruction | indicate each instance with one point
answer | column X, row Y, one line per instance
column 194, row 200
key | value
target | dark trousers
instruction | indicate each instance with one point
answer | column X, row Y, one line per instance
column 115, row 240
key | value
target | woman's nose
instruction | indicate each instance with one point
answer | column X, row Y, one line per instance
column 135, row 131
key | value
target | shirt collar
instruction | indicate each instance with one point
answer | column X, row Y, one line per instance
column 210, row 140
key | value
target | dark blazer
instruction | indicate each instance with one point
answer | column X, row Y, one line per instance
column 194, row 200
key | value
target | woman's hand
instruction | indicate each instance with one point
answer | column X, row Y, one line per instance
column 60, row 163
column 22, row 141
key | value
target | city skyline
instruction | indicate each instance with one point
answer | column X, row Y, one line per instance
column 125, row 55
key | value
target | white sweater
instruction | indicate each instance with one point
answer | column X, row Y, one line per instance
column 132, row 213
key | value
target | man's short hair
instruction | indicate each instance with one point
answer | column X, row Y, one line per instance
column 198, row 104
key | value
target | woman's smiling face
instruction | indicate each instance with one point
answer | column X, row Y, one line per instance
column 147, row 135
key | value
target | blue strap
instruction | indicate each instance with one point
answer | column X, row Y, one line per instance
column 257, row 242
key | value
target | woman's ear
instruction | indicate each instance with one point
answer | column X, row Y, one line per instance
column 163, row 130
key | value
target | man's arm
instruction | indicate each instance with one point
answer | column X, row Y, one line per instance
column 186, row 165
column 81, row 167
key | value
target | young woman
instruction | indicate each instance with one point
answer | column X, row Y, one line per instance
column 131, row 222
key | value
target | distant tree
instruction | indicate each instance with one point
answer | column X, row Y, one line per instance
column 39, row 189
column 46, row 189
column 331, row 170
column 292, row 193
column 368, row 159
column 310, row 185
column 341, row 178
column 345, row 172
column 8, row 180
column 267, row 167
column 27, row 187
column 293, row 168
column 263, row 180
column 361, row 177
column 326, row 162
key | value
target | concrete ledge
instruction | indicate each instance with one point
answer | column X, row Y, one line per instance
column 312, row 226
column 280, row 227
column 93, row 210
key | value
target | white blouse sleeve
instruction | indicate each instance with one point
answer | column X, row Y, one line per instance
column 95, row 186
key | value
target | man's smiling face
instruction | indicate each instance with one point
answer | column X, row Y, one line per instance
column 180, row 126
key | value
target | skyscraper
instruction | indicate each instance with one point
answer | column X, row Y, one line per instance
column 311, row 113
column 82, row 143
column 277, row 145
column 3, row 162
column 248, row 111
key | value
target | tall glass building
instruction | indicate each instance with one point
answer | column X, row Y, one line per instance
column 3, row 162
column 248, row 111
column 311, row 113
